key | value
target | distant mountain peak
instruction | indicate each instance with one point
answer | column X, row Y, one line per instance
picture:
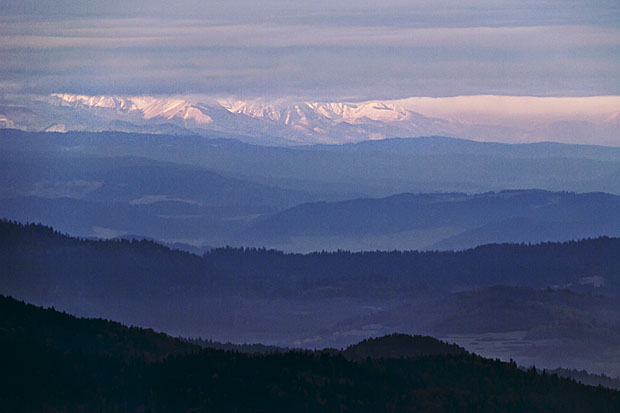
column 286, row 121
column 150, row 107
column 304, row 122
column 336, row 112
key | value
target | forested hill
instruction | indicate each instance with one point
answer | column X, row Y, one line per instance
column 444, row 221
column 401, row 346
column 28, row 324
column 53, row 371
column 38, row 262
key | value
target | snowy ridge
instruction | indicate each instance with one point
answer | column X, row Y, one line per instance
column 281, row 122
column 304, row 122
column 299, row 113
column 334, row 111
column 150, row 107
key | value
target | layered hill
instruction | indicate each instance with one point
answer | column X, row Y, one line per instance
column 100, row 196
column 370, row 169
column 550, row 304
column 212, row 192
column 439, row 221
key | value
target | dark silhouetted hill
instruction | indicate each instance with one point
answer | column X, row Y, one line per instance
column 43, row 375
column 401, row 346
column 26, row 323
column 590, row 379
column 39, row 262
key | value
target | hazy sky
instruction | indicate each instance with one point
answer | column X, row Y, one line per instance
column 311, row 49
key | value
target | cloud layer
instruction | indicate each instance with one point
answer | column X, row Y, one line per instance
column 320, row 50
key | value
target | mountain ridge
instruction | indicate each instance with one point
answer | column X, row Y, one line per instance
column 285, row 122
column 466, row 220
column 299, row 122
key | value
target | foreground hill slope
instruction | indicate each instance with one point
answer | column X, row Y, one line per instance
column 28, row 324
column 59, row 376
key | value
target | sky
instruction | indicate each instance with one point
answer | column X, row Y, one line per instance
column 323, row 50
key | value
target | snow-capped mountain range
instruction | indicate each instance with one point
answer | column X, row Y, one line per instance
column 279, row 122
column 306, row 122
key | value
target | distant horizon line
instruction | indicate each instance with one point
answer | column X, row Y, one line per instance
column 304, row 145
column 166, row 245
